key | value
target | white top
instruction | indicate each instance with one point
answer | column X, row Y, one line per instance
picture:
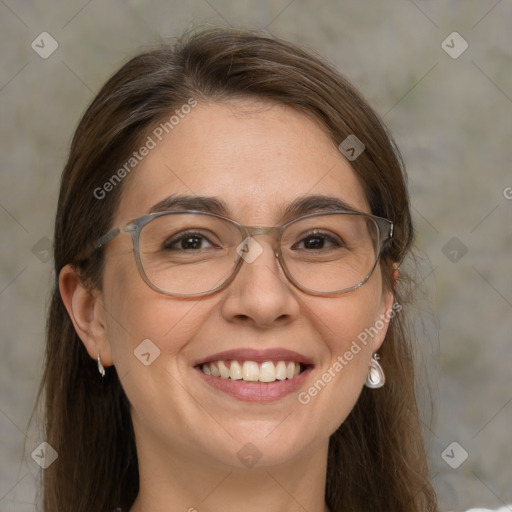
column 507, row 508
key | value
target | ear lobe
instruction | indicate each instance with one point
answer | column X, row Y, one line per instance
column 388, row 311
column 85, row 308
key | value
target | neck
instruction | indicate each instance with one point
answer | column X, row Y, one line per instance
column 172, row 481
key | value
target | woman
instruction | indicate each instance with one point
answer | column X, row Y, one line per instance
column 227, row 328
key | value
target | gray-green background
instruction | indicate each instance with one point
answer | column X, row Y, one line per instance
column 450, row 116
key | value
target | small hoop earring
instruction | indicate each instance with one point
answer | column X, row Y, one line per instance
column 101, row 368
column 375, row 378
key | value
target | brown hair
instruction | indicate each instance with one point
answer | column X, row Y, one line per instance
column 376, row 457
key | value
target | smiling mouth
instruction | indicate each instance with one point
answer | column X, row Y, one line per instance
column 251, row 371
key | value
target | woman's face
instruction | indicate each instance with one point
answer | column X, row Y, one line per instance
column 256, row 158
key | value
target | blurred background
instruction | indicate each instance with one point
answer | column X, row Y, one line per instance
column 438, row 72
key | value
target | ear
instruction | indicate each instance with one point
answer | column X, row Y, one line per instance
column 85, row 308
column 387, row 311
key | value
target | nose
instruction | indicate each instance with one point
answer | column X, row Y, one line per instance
column 260, row 295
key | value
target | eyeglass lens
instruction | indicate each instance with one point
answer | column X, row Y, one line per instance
column 189, row 254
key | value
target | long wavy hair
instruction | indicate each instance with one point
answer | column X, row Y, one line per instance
column 376, row 458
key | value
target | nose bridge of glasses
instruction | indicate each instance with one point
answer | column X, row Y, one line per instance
column 263, row 230
column 273, row 231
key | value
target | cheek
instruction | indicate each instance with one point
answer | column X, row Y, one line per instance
column 348, row 319
column 149, row 334
column 347, row 327
column 141, row 320
column 348, row 342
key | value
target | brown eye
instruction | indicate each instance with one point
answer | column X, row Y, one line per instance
column 188, row 242
column 317, row 241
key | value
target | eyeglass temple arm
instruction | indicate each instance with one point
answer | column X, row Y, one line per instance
column 106, row 238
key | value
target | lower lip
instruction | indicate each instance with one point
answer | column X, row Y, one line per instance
column 256, row 391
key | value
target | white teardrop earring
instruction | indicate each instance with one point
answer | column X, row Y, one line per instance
column 101, row 368
column 375, row 378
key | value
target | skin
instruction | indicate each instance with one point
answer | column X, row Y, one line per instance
column 257, row 157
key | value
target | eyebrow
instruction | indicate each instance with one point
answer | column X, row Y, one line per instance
column 298, row 207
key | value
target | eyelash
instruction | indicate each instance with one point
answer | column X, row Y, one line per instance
column 167, row 245
column 192, row 234
column 323, row 235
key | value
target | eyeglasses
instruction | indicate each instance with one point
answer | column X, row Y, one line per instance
column 187, row 253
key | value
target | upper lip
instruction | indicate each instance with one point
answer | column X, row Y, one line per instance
column 256, row 355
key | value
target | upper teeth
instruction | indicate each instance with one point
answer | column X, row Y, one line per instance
column 267, row 371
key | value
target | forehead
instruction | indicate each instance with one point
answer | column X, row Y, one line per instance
column 256, row 157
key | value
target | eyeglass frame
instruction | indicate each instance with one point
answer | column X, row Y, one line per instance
column 135, row 226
